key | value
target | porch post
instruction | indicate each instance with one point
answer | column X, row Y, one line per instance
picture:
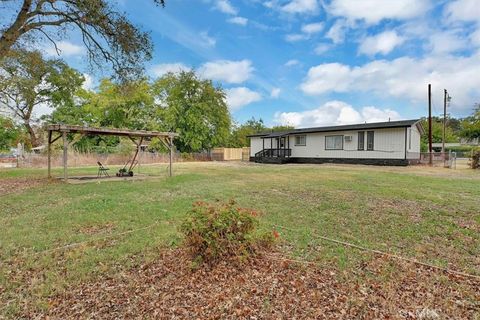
column 49, row 153
column 288, row 140
column 263, row 144
column 65, row 155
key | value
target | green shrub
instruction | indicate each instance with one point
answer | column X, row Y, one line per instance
column 216, row 231
column 460, row 148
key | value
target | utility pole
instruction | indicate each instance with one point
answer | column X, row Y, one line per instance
column 446, row 100
column 430, row 161
column 444, row 117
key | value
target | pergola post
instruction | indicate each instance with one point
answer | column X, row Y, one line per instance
column 170, row 145
column 49, row 154
column 65, row 155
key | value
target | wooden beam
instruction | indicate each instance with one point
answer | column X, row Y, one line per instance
column 165, row 142
column 59, row 136
column 65, row 155
column 109, row 131
column 135, row 141
column 171, row 153
column 49, row 154
column 136, row 153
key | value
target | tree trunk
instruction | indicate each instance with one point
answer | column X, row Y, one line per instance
column 33, row 137
column 12, row 33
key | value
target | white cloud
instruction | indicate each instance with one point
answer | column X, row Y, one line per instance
column 382, row 43
column 373, row 11
column 463, row 10
column 238, row 20
column 227, row 70
column 294, row 37
column 475, row 38
column 269, row 4
column 445, row 42
column 88, row 84
column 312, row 27
column 301, row 6
column 321, row 48
column 327, row 77
column 225, row 6
column 241, row 96
column 337, row 32
column 404, row 78
column 207, row 40
column 66, row 49
column 159, row 70
column 291, row 63
column 275, row 93
column 334, row 113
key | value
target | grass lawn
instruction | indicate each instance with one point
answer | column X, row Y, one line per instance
column 432, row 215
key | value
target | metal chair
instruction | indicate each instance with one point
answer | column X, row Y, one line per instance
column 102, row 170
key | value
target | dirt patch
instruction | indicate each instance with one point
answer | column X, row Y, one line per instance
column 270, row 287
column 17, row 185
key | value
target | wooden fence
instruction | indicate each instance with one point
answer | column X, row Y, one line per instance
column 228, row 154
column 76, row 159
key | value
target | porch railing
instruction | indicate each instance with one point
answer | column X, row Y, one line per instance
column 274, row 153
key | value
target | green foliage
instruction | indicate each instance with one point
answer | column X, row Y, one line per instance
column 282, row 128
column 471, row 125
column 215, row 231
column 9, row 134
column 28, row 81
column 437, row 132
column 194, row 108
column 239, row 134
column 126, row 105
column 462, row 148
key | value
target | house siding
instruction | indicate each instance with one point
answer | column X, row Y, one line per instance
column 388, row 144
column 413, row 146
column 256, row 145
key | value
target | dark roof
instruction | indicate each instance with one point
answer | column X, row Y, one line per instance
column 360, row 126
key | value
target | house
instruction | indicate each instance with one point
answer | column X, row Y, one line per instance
column 383, row 143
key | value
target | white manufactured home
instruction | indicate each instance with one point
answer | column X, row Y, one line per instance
column 381, row 143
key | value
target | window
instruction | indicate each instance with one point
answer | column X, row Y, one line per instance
column 300, row 140
column 370, row 138
column 334, row 143
column 361, row 140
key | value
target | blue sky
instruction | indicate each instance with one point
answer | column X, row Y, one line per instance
column 312, row 63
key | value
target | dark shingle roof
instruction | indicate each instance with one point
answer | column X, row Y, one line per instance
column 361, row 126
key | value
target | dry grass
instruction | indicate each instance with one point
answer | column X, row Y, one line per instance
column 430, row 214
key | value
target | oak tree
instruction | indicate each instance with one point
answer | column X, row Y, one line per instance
column 107, row 33
column 194, row 108
column 28, row 81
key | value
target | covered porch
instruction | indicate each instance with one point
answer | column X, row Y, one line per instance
column 275, row 148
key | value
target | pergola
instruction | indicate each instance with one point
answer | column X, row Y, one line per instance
column 165, row 137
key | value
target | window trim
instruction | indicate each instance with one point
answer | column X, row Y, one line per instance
column 373, row 141
column 300, row 145
column 361, row 134
column 336, row 135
